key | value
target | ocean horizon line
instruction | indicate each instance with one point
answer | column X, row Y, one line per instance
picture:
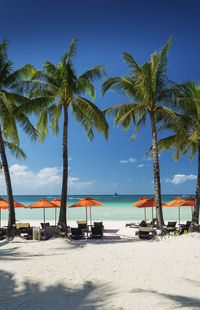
column 144, row 194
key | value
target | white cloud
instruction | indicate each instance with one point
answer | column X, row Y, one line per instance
column 21, row 174
column 140, row 166
column 126, row 161
column 26, row 181
column 180, row 178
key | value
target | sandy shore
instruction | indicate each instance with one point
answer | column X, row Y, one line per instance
column 119, row 272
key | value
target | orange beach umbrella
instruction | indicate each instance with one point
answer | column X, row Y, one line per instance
column 87, row 202
column 58, row 203
column 5, row 205
column 188, row 203
column 175, row 203
column 146, row 203
column 178, row 202
column 43, row 203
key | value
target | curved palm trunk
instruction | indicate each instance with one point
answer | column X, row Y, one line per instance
column 62, row 222
column 195, row 215
column 157, row 187
column 11, row 211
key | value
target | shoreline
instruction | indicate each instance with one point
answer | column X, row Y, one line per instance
column 72, row 223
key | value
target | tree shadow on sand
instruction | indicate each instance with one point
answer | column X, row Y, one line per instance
column 14, row 252
column 106, row 241
column 35, row 296
column 179, row 301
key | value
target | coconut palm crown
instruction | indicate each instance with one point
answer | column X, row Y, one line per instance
column 186, row 132
column 54, row 90
column 148, row 89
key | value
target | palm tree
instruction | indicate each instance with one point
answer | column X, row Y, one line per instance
column 11, row 112
column 186, row 128
column 54, row 90
column 147, row 87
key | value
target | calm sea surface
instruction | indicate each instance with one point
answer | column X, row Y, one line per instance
column 114, row 209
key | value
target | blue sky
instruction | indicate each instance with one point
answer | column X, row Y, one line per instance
column 43, row 30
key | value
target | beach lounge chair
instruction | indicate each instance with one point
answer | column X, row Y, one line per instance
column 171, row 227
column 154, row 222
column 22, row 225
column 132, row 225
column 24, row 230
column 96, row 232
column 184, row 227
column 81, row 222
column 2, row 234
column 82, row 226
column 145, row 232
column 76, row 234
column 99, row 224
column 44, row 225
column 49, row 232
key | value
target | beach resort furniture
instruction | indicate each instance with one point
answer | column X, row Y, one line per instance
column 82, row 226
column 81, row 222
column 184, row 227
column 171, row 227
column 97, row 232
column 2, row 233
column 154, row 222
column 76, row 233
column 44, row 225
column 145, row 232
column 24, row 230
column 99, row 224
column 132, row 225
column 36, row 233
column 49, row 232
column 22, row 225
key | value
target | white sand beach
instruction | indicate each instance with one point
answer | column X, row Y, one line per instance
column 118, row 272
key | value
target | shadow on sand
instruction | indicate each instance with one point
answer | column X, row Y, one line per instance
column 33, row 295
column 177, row 301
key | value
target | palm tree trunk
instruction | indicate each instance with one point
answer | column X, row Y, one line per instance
column 157, row 187
column 195, row 215
column 62, row 222
column 11, row 212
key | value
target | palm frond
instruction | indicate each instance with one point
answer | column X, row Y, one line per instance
column 20, row 74
column 90, row 116
column 15, row 150
column 72, row 51
column 94, row 73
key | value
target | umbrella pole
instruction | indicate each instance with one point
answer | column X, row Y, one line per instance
column 179, row 214
column 44, row 214
column 152, row 215
column 0, row 217
column 145, row 214
column 86, row 215
column 55, row 216
column 90, row 216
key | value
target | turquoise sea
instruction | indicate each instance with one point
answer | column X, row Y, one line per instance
column 114, row 209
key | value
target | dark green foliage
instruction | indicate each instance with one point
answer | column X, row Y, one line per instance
column 149, row 91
